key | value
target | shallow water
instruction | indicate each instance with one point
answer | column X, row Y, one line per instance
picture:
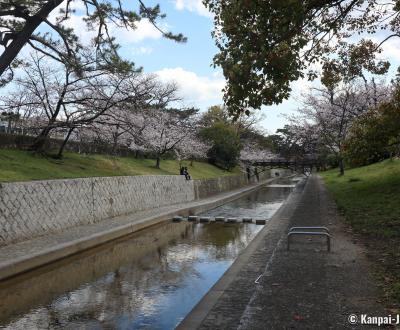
column 148, row 280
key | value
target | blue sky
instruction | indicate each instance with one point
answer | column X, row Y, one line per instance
column 195, row 55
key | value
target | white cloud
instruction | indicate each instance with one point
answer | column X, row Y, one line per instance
column 390, row 49
column 144, row 30
column 75, row 5
column 76, row 22
column 200, row 91
column 142, row 50
column 193, row 6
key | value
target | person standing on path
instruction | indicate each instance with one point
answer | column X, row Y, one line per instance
column 186, row 173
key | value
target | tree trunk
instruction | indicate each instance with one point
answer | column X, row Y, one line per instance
column 9, row 125
column 114, row 146
column 59, row 155
column 13, row 49
column 341, row 166
column 39, row 143
column 158, row 162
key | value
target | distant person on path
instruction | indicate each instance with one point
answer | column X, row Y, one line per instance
column 248, row 173
column 256, row 174
column 182, row 170
column 186, row 173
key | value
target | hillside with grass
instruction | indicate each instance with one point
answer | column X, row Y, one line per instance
column 369, row 197
column 17, row 165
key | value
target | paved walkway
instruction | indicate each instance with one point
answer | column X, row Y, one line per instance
column 21, row 257
column 304, row 288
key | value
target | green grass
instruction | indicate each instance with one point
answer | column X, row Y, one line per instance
column 369, row 197
column 16, row 165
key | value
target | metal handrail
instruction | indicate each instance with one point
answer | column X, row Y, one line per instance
column 311, row 233
column 312, row 228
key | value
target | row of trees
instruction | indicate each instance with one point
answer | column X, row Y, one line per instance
column 354, row 122
column 88, row 90
column 123, row 108
column 88, row 93
column 350, row 117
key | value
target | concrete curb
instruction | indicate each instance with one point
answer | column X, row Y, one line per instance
column 47, row 255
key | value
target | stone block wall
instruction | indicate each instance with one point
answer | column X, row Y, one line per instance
column 30, row 209
column 209, row 187
column 204, row 188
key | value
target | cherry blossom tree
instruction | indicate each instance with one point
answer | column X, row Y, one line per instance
column 125, row 123
column 191, row 148
column 66, row 101
column 327, row 114
column 165, row 130
column 252, row 152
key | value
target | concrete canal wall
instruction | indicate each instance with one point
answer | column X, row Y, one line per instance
column 35, row 208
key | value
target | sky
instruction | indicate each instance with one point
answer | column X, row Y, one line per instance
column 189, row 65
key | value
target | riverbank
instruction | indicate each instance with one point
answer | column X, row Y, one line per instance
column 149, row 279
column 22, row 257
column 307, row 287
column 369, row 198
column 18, row 165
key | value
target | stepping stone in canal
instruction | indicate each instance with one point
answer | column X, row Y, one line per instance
column 231, row 220
column 192, row 218
column 247, row 220
column 205, row 219
column 260, row 222
column 219, row 219
column 177, row 218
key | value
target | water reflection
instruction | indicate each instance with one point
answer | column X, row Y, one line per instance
column 149, row 280
column 261, row 204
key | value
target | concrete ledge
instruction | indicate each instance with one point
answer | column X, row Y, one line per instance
column 25, row 256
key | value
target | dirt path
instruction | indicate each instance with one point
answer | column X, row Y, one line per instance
column 306, row 287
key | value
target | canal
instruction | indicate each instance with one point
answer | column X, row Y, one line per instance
column 147, row 280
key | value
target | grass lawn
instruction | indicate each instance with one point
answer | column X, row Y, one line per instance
column 369, row 197
column 17, row 165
